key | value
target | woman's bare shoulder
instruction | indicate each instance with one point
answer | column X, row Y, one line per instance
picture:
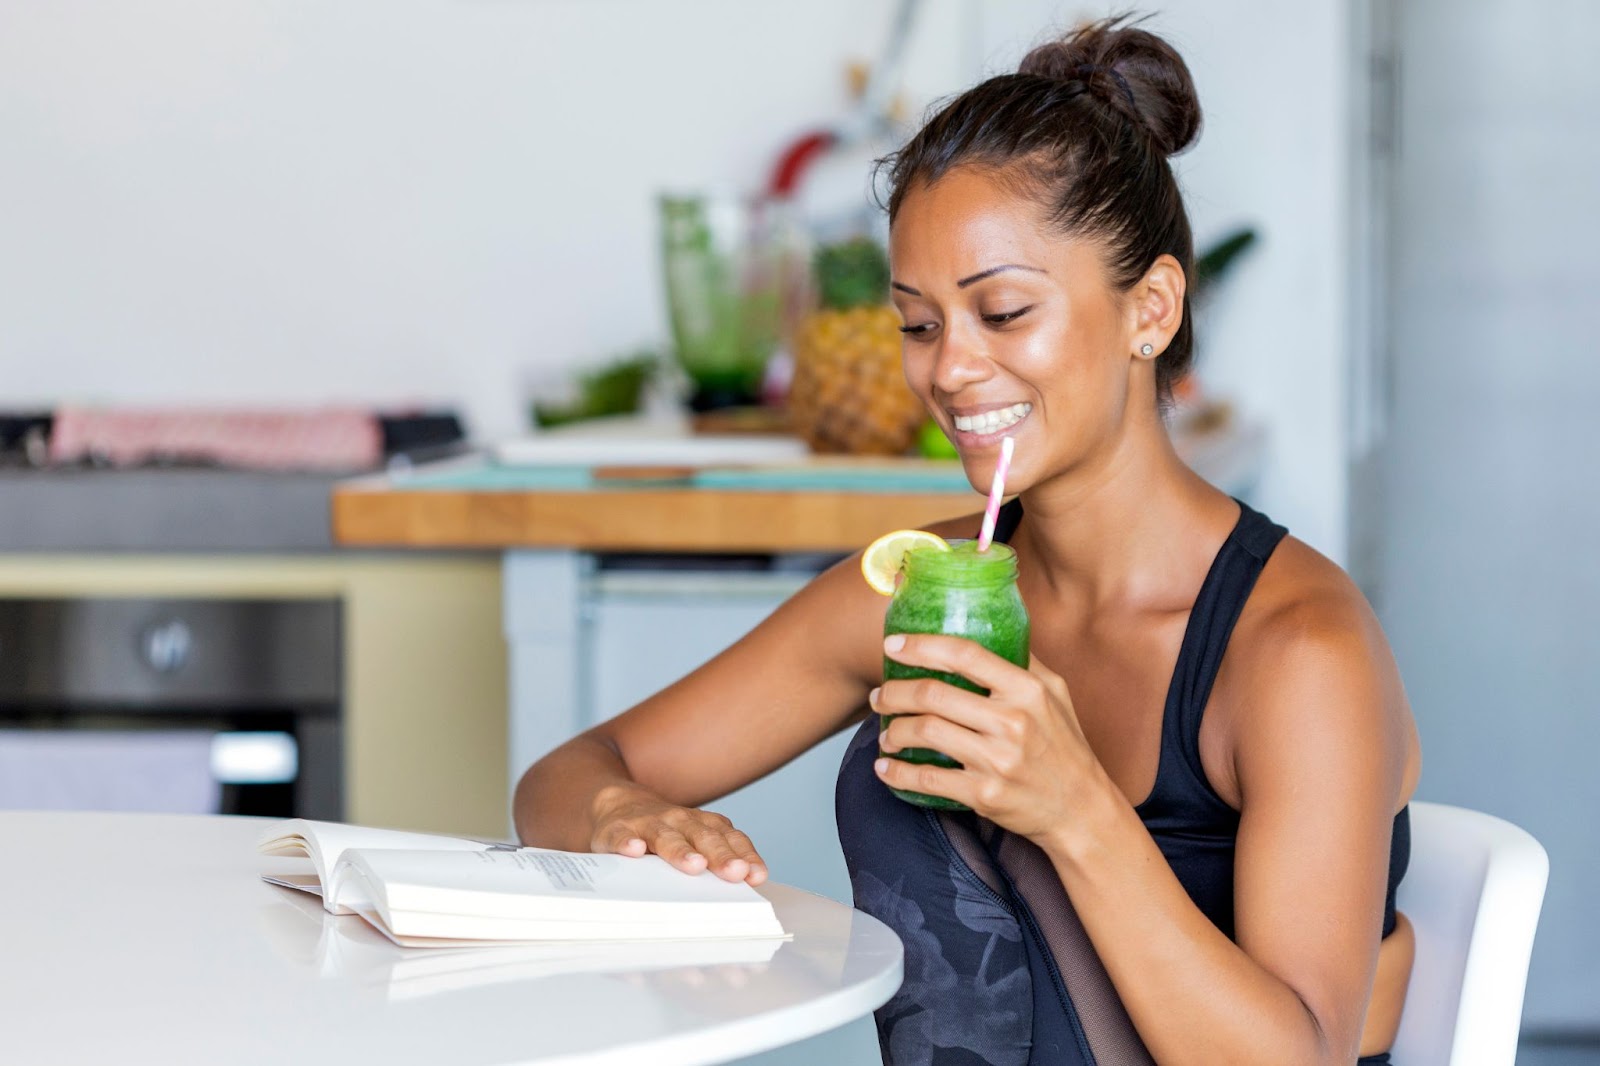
column 1309, row 659
column 1302, row 592
column 1305, row 603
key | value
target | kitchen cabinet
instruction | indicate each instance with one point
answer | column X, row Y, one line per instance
column 424, row 670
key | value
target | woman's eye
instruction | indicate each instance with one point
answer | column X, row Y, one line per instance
column 1007, row 316
column 916, row 330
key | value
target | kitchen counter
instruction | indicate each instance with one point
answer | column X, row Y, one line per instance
column 542, row 509
column 819, row 505
column 163, row 510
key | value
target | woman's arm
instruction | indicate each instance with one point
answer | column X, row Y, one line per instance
column 1319, row 749
column 1320, row 739
column 634, row 783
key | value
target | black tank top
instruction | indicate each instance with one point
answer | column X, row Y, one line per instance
column 998, row 968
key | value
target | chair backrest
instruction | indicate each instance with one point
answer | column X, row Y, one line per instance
column 1473, row 893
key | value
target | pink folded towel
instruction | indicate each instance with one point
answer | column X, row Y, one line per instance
column 329, row 439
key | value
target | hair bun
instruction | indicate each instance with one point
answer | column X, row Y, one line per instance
column 1129, row 69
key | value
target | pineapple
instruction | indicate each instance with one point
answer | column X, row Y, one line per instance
column 849, row 394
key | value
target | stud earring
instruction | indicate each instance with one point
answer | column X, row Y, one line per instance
column 1146, row 349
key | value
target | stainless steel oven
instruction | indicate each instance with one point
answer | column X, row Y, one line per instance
column 252, row 688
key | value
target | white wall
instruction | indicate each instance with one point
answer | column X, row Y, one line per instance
column 1490, row 574
column 381, row 200
column 378, row 199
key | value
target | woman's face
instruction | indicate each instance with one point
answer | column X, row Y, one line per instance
column 1010, row 330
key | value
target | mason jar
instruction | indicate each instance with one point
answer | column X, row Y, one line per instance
column 962, row 592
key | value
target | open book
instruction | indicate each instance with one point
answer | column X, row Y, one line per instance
column 352, row 952
column 431, row 891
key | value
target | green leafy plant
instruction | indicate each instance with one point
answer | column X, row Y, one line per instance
column 852, row 273
column 1217, row 261
column 614, row 389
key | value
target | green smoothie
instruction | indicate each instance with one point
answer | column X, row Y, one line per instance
column 964, row 593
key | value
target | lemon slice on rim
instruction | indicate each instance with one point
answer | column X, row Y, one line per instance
column 880, row 563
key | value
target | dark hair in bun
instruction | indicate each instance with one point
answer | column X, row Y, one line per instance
column 1084, row 126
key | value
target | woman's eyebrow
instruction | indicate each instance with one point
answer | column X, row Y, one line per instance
column 975, row 278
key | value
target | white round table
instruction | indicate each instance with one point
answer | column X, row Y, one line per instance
column 129, row 938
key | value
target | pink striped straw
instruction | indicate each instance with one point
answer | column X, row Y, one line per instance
column 997, row 491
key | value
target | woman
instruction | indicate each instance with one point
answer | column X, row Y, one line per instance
column 1190, row 810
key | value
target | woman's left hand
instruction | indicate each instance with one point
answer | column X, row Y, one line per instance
column 1025, row 763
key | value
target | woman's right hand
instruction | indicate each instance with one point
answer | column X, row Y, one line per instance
column 630, row 820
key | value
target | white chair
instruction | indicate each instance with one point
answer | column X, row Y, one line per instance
column 1473, row 892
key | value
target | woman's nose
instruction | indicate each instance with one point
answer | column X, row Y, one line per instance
column 959, row 363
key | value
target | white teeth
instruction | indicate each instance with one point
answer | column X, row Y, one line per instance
column 993, row 421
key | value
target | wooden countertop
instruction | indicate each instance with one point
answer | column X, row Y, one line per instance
column 641, row 516
column 817, row 505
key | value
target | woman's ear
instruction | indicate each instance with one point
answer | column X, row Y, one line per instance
column 1157, row 307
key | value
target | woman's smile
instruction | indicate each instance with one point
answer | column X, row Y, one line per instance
column 983, row 424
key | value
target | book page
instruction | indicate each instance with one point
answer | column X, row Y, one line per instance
column 539, row 894
column 539, row 883
column 325, row 842
column 308, row 883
